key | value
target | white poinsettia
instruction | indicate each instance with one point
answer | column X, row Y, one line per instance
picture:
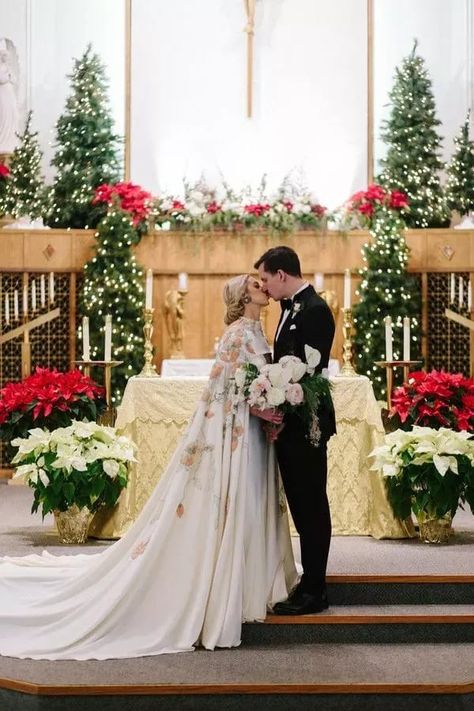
column 111, row 467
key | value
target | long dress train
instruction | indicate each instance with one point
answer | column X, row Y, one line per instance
column 210, row 549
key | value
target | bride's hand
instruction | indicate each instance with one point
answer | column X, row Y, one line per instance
column 272, row 431
column 269, row 415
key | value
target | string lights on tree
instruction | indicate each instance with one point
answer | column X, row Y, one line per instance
column 87, row 147
column 25, row 191
column 412, row 163
column 113, row 284
column 460, row 184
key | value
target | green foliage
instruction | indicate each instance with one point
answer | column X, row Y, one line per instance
column 87, row 147
column 412, row 163
column 114, row 285
column 460, row 185
column 385, row 290
column 25, row 193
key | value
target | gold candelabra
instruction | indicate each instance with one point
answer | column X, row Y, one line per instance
column 174, row 318
column 24, row 330
column 149, row 369
column 347, row 369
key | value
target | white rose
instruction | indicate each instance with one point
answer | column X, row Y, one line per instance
column 298, row 370
column 295, row 394
column 279, row 376
column 275, row 396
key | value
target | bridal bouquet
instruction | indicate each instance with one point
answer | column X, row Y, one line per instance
column 290, row 386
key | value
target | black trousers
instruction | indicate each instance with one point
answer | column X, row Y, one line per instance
column 304, row 472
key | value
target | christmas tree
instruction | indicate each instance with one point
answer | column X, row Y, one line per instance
column 385, row 289
column 460, row 185
column 87, row 148
column 412, row 163
column 25, row 192
column 114, row 285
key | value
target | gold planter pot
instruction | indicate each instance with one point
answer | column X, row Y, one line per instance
column 73, row 524
column 435, row 530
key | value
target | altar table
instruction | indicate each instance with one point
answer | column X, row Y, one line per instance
column 155, row 411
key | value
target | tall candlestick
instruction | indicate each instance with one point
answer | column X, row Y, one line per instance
column 388, row 339
column 16, row 310
column 182, row 281
column 461, row 292
column 33, row 295
column 108, row 339
column 25, row 300
column 452, row 293
column 347, row 289
column 7, row 309
column 86, row 348
column 469, row 295
column 43, row 290
column 149, row 289
column 406, row 338
column 319, row 281
column 51, row 287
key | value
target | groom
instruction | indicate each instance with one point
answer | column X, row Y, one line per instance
column 305, row 320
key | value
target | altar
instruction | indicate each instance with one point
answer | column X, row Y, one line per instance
column 155, row 411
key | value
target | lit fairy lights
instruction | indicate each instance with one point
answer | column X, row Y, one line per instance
column 113, row 283
column 412, row 163
column 460, row 184
column 86, row 147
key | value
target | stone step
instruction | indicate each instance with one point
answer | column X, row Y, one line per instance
column 401, row 589
column 367, row 624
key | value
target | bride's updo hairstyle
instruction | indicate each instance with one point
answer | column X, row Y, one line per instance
column 235, row 295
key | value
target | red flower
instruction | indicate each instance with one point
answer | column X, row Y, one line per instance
column 213, row 207
column 318, row 210
column 178, row 206
column 4, row 170
column 257, row 209
column 398, row 200
column 132, row 198
column 289, row 205
column 366, row 202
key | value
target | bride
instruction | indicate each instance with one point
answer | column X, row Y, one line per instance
column 210, row 550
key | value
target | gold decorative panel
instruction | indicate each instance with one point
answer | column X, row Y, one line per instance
column 448, row 342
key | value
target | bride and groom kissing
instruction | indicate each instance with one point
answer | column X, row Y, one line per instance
column 218, row 506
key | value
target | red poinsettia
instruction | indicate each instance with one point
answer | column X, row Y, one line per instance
column 435, row 399
column 367, row 202
column 213, row 207
column 4, row 170
column 257, row 209
column 132, row 199
column 48, row 399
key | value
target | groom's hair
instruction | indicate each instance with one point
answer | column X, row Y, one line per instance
column 283, row 258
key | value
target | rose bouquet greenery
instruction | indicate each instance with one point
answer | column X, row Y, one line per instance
column 427, row 471
column 83, row 464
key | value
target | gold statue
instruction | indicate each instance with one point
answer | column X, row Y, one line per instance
column 174, row 318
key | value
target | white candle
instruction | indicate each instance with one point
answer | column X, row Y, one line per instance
column 452, row 294
column 43, row 291
column 51, row 287
column 182, row 281
column 406, row 338
column 347, row 289
column 33, row 295
column 149, row 289
column 86, row 348
column 16, row 309
column 461, row 292
column 388, row 339
column 108, row 339
column 7, row 309
column 25, row 300
column 469, row 295
column 319, row 281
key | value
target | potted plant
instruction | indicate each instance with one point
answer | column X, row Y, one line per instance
column 428, row 472
column 47, row 399
column 435, row 399
column 73, row 471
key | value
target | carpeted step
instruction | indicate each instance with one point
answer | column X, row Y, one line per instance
column 401, row 589
column 368, row 625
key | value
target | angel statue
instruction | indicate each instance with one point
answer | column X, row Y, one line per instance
column 174, row 315
column 9, row 113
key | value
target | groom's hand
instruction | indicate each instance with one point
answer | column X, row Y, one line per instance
column 271, row 415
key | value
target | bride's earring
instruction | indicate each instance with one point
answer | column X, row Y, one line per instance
column 246, row 299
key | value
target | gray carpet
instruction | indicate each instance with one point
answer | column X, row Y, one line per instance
column 21, row 533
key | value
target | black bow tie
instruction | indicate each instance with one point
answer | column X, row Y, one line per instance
column 286, row 304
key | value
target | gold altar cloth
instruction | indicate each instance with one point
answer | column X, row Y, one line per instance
column 155, row 411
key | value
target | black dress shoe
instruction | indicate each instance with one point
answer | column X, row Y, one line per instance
column 302, row 603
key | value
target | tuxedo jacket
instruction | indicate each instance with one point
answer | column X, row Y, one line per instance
column 310, row 322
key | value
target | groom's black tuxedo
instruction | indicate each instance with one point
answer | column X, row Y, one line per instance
column 304, row 467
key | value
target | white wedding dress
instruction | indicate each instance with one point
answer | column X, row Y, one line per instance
column 210, row 549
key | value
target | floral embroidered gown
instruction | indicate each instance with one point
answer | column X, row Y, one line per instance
column 210, row 549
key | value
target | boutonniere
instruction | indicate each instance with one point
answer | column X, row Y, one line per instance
column 297, row 306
